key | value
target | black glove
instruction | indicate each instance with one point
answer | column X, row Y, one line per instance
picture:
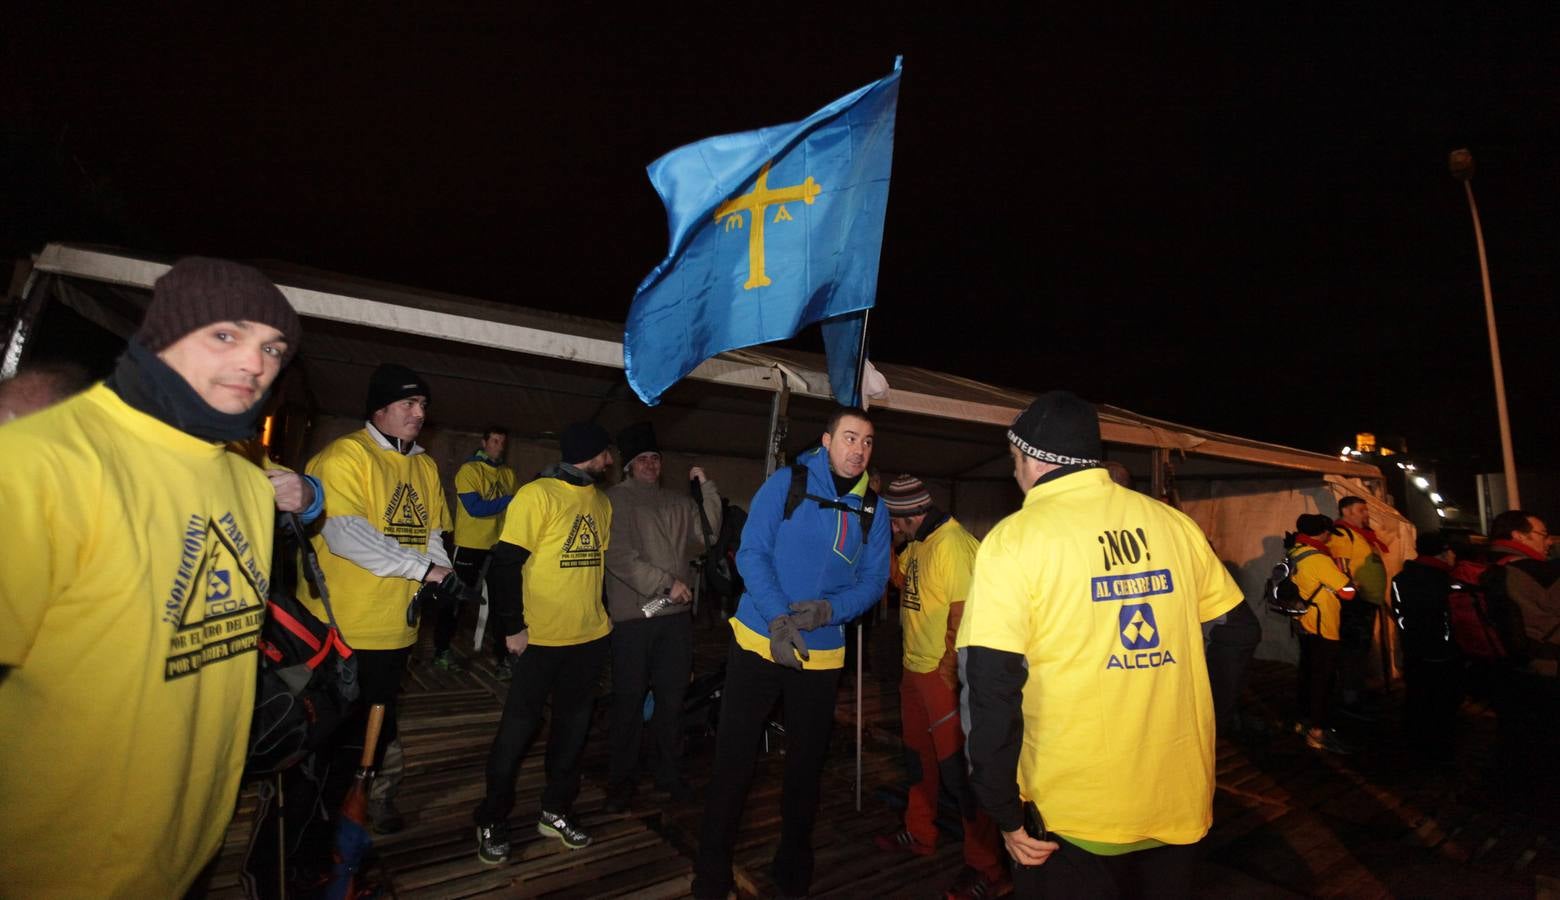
column 785, row 643
column 454, row 590
column 810, row 614
column 425, row 594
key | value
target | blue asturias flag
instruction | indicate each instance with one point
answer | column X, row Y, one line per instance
column 771, row 230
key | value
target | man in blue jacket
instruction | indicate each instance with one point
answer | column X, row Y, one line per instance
column 814, row 556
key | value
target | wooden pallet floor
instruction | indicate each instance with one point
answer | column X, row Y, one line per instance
column 1288, row 822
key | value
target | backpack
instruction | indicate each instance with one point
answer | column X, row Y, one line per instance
column 307, row 680
column 1282, row 594
column 720, row 568
column 721, row 578
column 1472, row 629
column 797, row 492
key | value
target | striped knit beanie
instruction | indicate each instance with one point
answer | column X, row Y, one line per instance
column 907, row 496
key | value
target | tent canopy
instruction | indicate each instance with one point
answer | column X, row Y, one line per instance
column 495, row 362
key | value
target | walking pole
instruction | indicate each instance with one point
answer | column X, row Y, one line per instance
column 281, row 840
column 861, row 400
column 858, row 716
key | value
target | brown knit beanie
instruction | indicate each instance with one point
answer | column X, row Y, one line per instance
column 198, row 291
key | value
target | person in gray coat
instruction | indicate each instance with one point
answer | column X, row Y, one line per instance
column 656, row 532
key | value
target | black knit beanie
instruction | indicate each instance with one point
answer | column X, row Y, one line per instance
column 636, row 439
column 582, row 442
column 198, row 291
column 390, row 383
column 1059, row 428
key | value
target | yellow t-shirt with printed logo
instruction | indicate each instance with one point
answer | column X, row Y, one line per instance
column 490, row 482
column 131, row 594
column 401, row 497
column 566, row 527
column 937, row 575
column 1103, row 591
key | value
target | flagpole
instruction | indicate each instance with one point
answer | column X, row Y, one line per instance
column 861, row 360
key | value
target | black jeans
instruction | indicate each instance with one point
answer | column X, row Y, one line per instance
column 753, row 684
column 1230, row 648
column 648, row 654
column 1356, row 635
column 379, row 681
column 1163, row 872
column 1318, row 665
column 1432, row 692
column 568, row 675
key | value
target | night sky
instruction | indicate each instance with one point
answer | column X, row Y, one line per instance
column 1242, row 222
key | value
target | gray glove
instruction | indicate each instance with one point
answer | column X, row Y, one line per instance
column 785, row 643
column 810, row 614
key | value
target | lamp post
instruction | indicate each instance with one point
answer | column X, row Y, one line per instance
column 1461, row 164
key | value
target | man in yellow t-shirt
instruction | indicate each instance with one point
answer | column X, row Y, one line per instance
column 1090, row 730
column 137, row 562
column 483, row 488
column 381, row 537
column 936, row 564
column 546, row 573
column 1361, row 554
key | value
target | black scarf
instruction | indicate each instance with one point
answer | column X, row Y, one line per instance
column 934, row 518
column 148, row 384
column 570, row 474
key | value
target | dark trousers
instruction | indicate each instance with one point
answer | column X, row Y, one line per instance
column 1230, row 648
column 1318, row 665
column 648, row 654
column 1163, row 872
column 1356, row 634
column 1432, row 692
column 467, row 563
column 568, row 676
column 379, row 681
column 753, row 684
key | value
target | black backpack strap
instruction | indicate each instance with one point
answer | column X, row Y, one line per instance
column 311, row 565
column 1294, row 569
column 697, row 489
column 346, row 667
column 797, row 491
column 869, row 502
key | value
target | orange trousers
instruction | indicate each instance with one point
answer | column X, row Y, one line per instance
column 929, row 711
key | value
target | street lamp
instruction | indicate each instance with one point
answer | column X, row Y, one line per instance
column 1461, row 164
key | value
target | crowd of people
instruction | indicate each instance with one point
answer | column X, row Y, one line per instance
column 1062, row 679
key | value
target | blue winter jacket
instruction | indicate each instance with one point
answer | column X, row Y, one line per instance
column 818, row 553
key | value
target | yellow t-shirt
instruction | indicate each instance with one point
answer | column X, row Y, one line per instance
column 566, row 527
column 1355, row 556
column 400, row 496
column 937, row 575
column 135, row 571
column 1103, row 591
column 491, row 482
column 1318, row 577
